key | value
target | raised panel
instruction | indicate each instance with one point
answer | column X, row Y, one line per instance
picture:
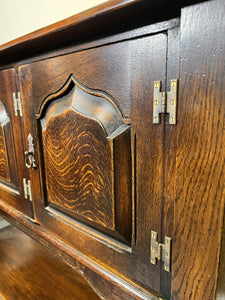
column 78, row 167
column 83, row 132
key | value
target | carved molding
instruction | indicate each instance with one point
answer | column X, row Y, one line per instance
column 109, row 114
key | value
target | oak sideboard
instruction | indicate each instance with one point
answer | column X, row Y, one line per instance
column 112, row 145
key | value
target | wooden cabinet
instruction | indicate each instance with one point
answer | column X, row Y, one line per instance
column 110, row 185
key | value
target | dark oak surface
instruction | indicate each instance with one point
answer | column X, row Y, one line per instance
column 173, row 66
column 4, row 164
column 122, row 70
column 8, row 169
column 93, row 190
column 80, row 147
column 200, row 153
column 105, row 68
column 105, row 282
column 106, row 176
column 29, row 271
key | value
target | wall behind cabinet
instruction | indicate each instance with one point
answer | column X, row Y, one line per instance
column 24, row 16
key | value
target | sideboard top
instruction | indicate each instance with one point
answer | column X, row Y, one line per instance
column 110, row 15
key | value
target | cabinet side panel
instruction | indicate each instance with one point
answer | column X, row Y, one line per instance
column 200, row 161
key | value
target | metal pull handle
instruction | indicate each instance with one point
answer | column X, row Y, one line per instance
column 29, row 155
column 29, row 160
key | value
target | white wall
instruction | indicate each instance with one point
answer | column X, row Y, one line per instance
column 19, row 17
column 3, row 223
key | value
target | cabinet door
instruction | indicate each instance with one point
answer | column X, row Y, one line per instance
column 99, row 156
column 12, row 167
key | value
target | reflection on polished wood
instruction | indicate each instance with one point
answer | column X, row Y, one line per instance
column 29, row 271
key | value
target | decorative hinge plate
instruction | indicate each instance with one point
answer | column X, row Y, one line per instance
column 161, row 251
column 17, row 104
column 165, row 102
column 27, row 189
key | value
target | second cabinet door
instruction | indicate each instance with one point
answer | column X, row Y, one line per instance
column 98, row 180
column 12, row 166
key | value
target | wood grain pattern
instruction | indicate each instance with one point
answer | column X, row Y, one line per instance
column 127, row 69
column 8, row 169
column 80, row 131
column 149, row 150
column 170, row 132
column 122, row 177
column 107, row 284
column 30, row 271
column 173, row 176
column 78, row 167
column 200, row 154
column 4, row 122
column 4, row 166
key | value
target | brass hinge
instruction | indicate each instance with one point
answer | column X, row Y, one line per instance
column 17, row 104
column 161, row 251
column 27, row 189
column 165, row 102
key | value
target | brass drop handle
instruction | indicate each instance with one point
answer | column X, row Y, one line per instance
column 29, row 160
column 29, row 155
